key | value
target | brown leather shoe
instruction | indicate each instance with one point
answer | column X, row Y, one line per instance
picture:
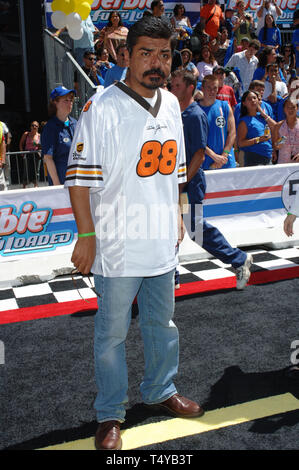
column 108, row 436
column 179, row 406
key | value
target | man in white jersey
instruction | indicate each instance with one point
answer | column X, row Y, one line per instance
column 126, row 162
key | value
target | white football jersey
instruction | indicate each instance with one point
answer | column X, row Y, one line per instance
column 132, row 157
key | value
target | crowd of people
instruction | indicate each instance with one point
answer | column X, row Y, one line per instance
column 255, row 74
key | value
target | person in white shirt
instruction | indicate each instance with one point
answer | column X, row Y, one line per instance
column 247, row 62
column 273, row 87
column 268, row 6
column 293, row 213
column 125, row 166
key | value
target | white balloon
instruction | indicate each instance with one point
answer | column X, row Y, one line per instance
column 75, row 33
column 73, row 20
column 58, row 19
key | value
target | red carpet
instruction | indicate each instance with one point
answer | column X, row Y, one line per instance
column 191, row 288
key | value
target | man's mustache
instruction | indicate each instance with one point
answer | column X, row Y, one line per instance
column 154, row 71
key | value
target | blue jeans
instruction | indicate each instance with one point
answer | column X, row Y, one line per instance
column 155, row 296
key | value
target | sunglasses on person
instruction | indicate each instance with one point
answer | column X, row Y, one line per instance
column 92, row 58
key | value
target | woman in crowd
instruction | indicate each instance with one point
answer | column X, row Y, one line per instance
column 287, row 52
column 58, row 134
column 269, row 35
column 280, row 60
column 180, row 21
column 254, row 131
column 113, row 34
column 286, row 134
column 242, row 24
column 206, row 63
column 186, row 55
column 30, row 141
column 103, row 63
column 266, row 57
column 220, row 45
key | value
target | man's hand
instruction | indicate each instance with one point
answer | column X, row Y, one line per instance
column 288, row 225
column 181, row 231
column 84, row 254
column 219, row 161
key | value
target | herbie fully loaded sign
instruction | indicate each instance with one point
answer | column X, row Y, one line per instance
column 28, row 226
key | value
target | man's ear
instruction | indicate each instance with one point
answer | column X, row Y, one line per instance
column 127, row 57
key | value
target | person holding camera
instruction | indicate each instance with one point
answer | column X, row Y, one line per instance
column 243, row 24
column 254, row 131
column 268, row 6
column 286, row 134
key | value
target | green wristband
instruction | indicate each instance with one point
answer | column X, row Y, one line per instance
column 90, row 234
column 289, row 213
column 226, row 151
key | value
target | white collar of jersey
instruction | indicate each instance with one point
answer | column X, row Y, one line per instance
column 153, row 110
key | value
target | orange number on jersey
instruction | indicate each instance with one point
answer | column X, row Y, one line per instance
column 156, row 157
column 168, row 160
column 148, row 164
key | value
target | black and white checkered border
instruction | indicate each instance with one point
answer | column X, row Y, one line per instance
column 64, row 289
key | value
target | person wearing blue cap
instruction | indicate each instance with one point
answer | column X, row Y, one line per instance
column 58, row 134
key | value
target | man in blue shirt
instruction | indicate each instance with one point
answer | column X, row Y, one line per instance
column 119, row 71
column 220, row 151
column 89, row 67
column 196, row 134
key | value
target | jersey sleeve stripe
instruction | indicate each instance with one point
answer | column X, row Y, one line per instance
column 81, row 178
column 83, row 166
column 78, row 172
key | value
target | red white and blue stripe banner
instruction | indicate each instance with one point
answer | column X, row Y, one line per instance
column 237, row 201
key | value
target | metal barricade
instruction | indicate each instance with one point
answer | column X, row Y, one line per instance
column 63, row 69
column 286, row 36
column 23, row 168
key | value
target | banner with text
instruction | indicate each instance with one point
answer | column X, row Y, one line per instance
column 132, row 10
column 41, row 220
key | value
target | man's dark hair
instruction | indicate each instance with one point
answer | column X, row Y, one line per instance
column 187, row 77
column 88, row 52
column 154, row 4
column 255, row 83
column 255, row 43
column 152, row 27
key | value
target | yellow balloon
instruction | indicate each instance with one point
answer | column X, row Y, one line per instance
column 78, row 3
column 67, row 6
column 83, row 9
column 57, row 4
